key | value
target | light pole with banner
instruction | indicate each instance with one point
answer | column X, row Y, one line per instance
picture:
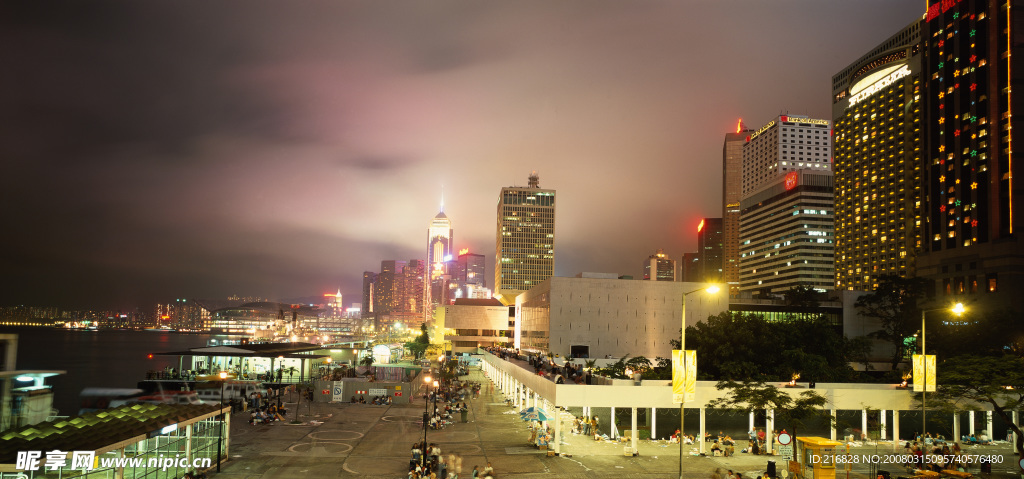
column 924, row 367
column 426, row 419
column 684, row 374
column 220, row 427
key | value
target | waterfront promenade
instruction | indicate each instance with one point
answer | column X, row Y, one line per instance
column 367, row 441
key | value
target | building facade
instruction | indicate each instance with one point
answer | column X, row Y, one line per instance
column 787, row 237
column 659, row 267
column 972, row 241
column 469, row 279
column 473, row 323
column 710, row 250
column 787, row 143
column 525, row 249
column 595, row 317
column 732, row 193
column 876, row 113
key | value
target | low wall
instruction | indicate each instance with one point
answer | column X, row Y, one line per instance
column 344, row 390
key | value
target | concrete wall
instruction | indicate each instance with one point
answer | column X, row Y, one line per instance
column 462, row 317
column 617, row 317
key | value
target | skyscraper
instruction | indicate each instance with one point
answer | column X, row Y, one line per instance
column 710, row 250
column 469, row 280
column 876, row 112
column 439, row 257
column 732, row 192
column 659, row 267
column 787, row 143
column 786, row 234
column 525, row 245
column 972, row 241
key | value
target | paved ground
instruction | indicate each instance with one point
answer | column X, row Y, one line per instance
column 366, row 441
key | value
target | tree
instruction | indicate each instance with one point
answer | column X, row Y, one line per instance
column 367, row 361
column 894, row 304
column 418, row 347
column 793, row 412
column 291, row 370
column 966, row 381
column 801, row 296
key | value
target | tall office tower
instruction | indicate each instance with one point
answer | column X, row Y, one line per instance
column 732, row 184
column 525, row 249
column 787, row 143
column 876, row 113
column 469, row 277
column 439, row 257
column 689, row 268
column 659, row 267
column 368, row 303
column 786, row 234
column 972, row 241
column 409, row 303
column 710, row 249
column 384, row 291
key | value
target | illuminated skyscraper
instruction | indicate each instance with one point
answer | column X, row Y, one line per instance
column 659, row 267
column 732, row 192
column 468, row 279
column 876, row 110
column 525, row 245
column 439, row 258
column 787, row 143
column 971, row 239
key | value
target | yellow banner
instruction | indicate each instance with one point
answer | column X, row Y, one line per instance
column 924, row 373
column 684, row 376
column 678, row 376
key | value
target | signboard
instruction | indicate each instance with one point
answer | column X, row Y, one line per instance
column 337, row 391
column 924, row 373
column 786, row 452
column 785, row 439
column 378, row 392
column 398, row 394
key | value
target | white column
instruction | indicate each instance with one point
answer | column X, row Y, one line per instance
column 769, row 440
column 988, row 424
column 895, row 430
column 863, row 424
column 751, row 421
column 634, row 433
column 700, row 434
column 227, row 433
column 956, row 427
column 833, row 428
column 558, row 431
column 883, row 417
column 654, row 423
column 612, row 430
column 970, row 417
column 188, row 442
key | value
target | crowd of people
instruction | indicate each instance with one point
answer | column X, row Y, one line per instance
column 426, row 460
column 567, row 373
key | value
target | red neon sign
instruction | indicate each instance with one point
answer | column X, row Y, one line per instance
column 791, row 181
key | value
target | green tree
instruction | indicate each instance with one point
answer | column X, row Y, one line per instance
column 366, row 361
column 792, row 412
column 969, row 380
column 894, row 304
column 291, row 370
column 418, row 347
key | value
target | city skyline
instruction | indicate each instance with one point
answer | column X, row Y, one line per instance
column 153, row 156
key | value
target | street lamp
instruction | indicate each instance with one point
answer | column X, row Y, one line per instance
column 220, row 429
column 426, row 420
column 682, row 347
column 957, row 309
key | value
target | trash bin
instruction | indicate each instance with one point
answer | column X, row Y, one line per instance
column 465, row 415
column 771, row 469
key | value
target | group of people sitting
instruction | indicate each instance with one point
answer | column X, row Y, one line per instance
column 377, row 400
column 267, row 414
column 585, row 425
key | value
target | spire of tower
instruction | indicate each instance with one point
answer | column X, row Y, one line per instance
column 442, row 198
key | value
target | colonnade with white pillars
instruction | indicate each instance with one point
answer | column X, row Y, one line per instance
column 522, row 396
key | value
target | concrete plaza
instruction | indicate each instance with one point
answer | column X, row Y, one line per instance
column 367, row 441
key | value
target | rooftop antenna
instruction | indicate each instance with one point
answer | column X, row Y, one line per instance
column 442, row 198
column 534, row 179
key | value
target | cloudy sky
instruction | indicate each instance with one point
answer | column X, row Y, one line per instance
column 153, row 150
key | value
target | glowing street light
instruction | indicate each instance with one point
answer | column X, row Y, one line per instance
column 712, row 289
column 957, row 309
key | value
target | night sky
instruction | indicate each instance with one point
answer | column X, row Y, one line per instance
column 153, row 150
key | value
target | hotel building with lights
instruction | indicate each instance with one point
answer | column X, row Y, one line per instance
column 972, row 240
column 786, row 231
column 439, row 263
column 732, row 184
column 525, row 245
column 876, row 114
column 659, row 267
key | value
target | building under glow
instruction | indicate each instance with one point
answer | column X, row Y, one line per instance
column 876, row 113
column 732, row 193
column 525, row 249
column 659, row 267
column 787, row 143
column 786, row 234
column 439, row 263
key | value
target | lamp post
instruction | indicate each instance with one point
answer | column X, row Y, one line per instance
column 220, row 428
column 682, row 347
column 957, row 309
column 426, row 420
